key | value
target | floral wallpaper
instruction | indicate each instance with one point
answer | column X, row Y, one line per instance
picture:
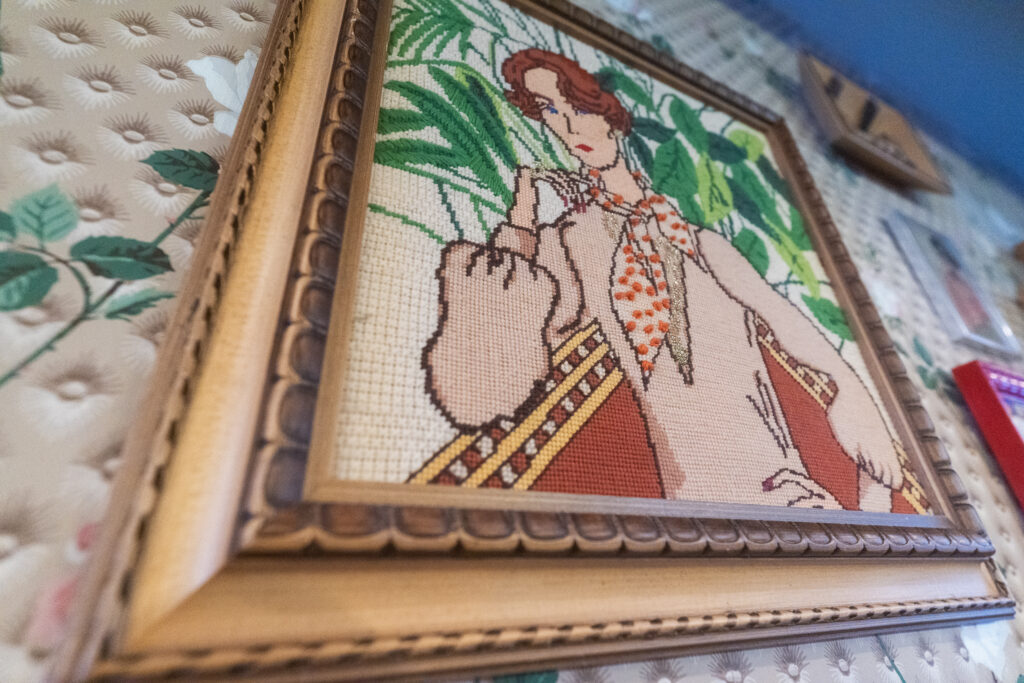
column 114, row 117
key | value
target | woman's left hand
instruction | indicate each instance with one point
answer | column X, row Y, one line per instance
column 864, row 436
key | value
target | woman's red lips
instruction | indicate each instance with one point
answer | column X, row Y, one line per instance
column 585, row 148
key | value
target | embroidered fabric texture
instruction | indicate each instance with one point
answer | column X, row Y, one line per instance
column 654, row 224
column 56, row 459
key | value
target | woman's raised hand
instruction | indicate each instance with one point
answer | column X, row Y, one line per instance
column 524, row 203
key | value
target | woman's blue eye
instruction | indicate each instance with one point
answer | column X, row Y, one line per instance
column 582, row 112
column 551, row 109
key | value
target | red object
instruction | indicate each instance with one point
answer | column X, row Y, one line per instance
column 984, row 387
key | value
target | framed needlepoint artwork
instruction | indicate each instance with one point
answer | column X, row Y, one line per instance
column 996, row 399
column 965, row 309
column 516, row 343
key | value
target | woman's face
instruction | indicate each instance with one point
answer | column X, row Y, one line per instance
column 588, row 137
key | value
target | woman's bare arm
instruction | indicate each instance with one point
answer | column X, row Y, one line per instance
column 855, row 418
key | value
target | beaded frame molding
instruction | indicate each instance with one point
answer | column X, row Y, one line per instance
column 227, row 553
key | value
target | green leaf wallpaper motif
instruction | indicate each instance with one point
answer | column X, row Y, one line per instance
column 24, row 280
column 31, row 262
column 47, row 215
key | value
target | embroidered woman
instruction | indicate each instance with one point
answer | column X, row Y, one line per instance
column 725, row 391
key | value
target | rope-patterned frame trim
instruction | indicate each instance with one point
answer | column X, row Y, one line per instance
column 276, row 519
column 309, row 657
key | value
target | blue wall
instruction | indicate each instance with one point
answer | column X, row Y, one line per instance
column 954, row 67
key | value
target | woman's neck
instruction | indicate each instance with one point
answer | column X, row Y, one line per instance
column 619, row 179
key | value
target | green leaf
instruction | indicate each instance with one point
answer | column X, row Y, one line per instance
column 713, row 190
column 922, row 352
column 661, row 44
column 755, row 189
column 642, row 152
column 722, row 149
column 652, row 130
column 185, row 167
column 764, row 165
column 47, row 214
column 24, row 280
column 399, row 121
column 829, row 315
column 797, row 231
column 536, row 677
column 688, row 123
column 673, row 173
column 120, row 258
column 123, row 307
column 7, row 229
column 612, row 80
column 752, row 143
column 405, row 152
column 750, row 245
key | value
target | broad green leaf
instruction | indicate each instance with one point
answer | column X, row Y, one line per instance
column 120, row 258
column 128, row 305
column 642, row 152
column 185, row 167
column 829, row 315
column 652, row 130
column 47, row 214
column 755, row 189
column 713, row 190
column 797, row 230
column 673, row 173
column 612, row 80
column 691, row 210
column 923, row 352
column 929, row 378
column 750, row 245
column 783, row 244
column 793, row 257
column 751, row 142
column 7, row 229
column 722, row 149
column 25, row 279
column 764, row 165
column 688, row 123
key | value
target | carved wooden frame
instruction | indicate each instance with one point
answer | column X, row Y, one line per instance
column 211, row 525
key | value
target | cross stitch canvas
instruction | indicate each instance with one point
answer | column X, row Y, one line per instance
column 574, row 278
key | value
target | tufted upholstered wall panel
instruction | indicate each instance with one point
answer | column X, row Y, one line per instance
column 90, row 88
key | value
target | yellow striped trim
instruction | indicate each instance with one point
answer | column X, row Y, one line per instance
column 534, row 420
column 568, row 430
column 566, row 348
column 792, row 373
column 912, row 489
column 444, row 458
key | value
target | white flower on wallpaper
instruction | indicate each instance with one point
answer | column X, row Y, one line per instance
column 66, row 38
column 24, row 102
column 98, row 87
column 228, row 83
column 135, row 29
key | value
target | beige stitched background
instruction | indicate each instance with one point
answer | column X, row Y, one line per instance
column 62, row 418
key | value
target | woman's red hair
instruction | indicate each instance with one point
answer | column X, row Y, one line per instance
column 577, row 85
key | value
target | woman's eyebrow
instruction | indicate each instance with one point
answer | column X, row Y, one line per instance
column 542, row 97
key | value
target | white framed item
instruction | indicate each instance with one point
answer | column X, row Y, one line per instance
column 965, row 309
